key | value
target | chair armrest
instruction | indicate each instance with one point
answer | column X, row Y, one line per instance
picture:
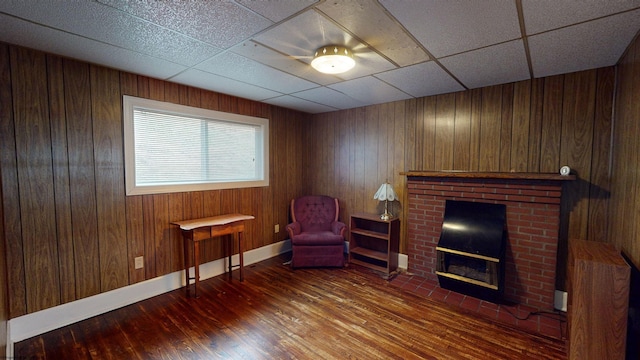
column 338, row 228
column 293, row 229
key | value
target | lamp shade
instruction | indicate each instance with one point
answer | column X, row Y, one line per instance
column 385, row 192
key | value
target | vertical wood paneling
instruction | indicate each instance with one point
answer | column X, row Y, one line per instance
column 4, row 295
column 35, row 175
column 371, row 155
column 399, row 164
column 551, row 124
column 429, row 132
column 82, row 182
column 134, row 215
column 359, row 164
column 490, row 127
column 343, row 169
column 135, row 237
column 600, row 183
column 413, row 129
column 576, row 151
column 162, row 248
column 385, row 143
column 474, row 141
column 176, row 213
column 577, row 135
column 521, row 126
column 462, row 131
column 624, row 216
column 535, row 125
column 110, row 197
column 60, row 153
column 149, row 233
column 505, row 126
column 10, row 191
column 444, row 131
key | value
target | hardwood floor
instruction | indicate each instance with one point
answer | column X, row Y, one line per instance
column 278, row 313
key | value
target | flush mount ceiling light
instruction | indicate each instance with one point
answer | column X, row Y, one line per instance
column 333, row 59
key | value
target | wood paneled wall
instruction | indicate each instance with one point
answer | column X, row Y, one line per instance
column 529, row 126
column 4, row 290
column 624, row 217
column 69, row 229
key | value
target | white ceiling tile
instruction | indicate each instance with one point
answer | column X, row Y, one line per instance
column 371, row 23
column 277, row 11
column 588, row 45
column 208, row 81
column 370, row 90
column 454, row 26
column 329, row 97
column 262, row 49
column 111, row 26
column 291, row 102
column 219, row 23
column 28, row 34
column 498, row 64
column 421, row 80
column 252, row 72
column 263, row 54
column 543, row 15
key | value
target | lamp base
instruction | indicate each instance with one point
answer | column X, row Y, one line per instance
column 386, row 216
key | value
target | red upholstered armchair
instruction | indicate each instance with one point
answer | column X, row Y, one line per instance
column 317, row 237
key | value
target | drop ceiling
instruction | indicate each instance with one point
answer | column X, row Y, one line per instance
column 261, row 50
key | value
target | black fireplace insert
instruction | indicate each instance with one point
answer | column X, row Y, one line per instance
column 471, row 249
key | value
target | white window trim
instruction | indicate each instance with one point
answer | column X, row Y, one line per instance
column 130, row 102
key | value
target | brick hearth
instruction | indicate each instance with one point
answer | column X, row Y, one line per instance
column 533, row 218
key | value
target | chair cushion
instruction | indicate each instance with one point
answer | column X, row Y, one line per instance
column 320, row 238
column 315, row 213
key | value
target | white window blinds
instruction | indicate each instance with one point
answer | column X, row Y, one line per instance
column 177, row 148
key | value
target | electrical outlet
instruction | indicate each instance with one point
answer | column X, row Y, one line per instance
column 277, row 228
column 139, row 262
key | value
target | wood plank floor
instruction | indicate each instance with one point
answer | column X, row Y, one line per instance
column 278, row 313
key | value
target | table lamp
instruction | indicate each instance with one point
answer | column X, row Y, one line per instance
column 385, row 193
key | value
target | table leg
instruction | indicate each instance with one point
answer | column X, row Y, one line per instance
column 186, row 264
column 196, row 256
column 229, row 246
column 241, row 256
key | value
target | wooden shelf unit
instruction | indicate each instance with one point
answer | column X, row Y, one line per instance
column 598, row 284
column 373, row 242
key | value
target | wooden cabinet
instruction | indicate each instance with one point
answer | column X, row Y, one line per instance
column 598, row 287
column 373, row 242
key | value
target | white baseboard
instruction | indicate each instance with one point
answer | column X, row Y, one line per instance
column 34, row 324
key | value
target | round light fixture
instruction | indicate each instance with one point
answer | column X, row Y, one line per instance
column 333, row 59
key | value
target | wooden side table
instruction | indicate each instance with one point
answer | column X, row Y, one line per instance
column 598, row 285
column 196, row 230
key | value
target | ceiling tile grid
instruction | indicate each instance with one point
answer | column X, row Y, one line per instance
column 261, row 50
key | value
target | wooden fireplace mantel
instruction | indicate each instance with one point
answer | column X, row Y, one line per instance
column 488, row 175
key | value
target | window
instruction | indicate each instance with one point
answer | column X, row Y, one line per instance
column 171, row 148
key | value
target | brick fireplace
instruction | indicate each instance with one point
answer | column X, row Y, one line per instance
column 533, row 220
